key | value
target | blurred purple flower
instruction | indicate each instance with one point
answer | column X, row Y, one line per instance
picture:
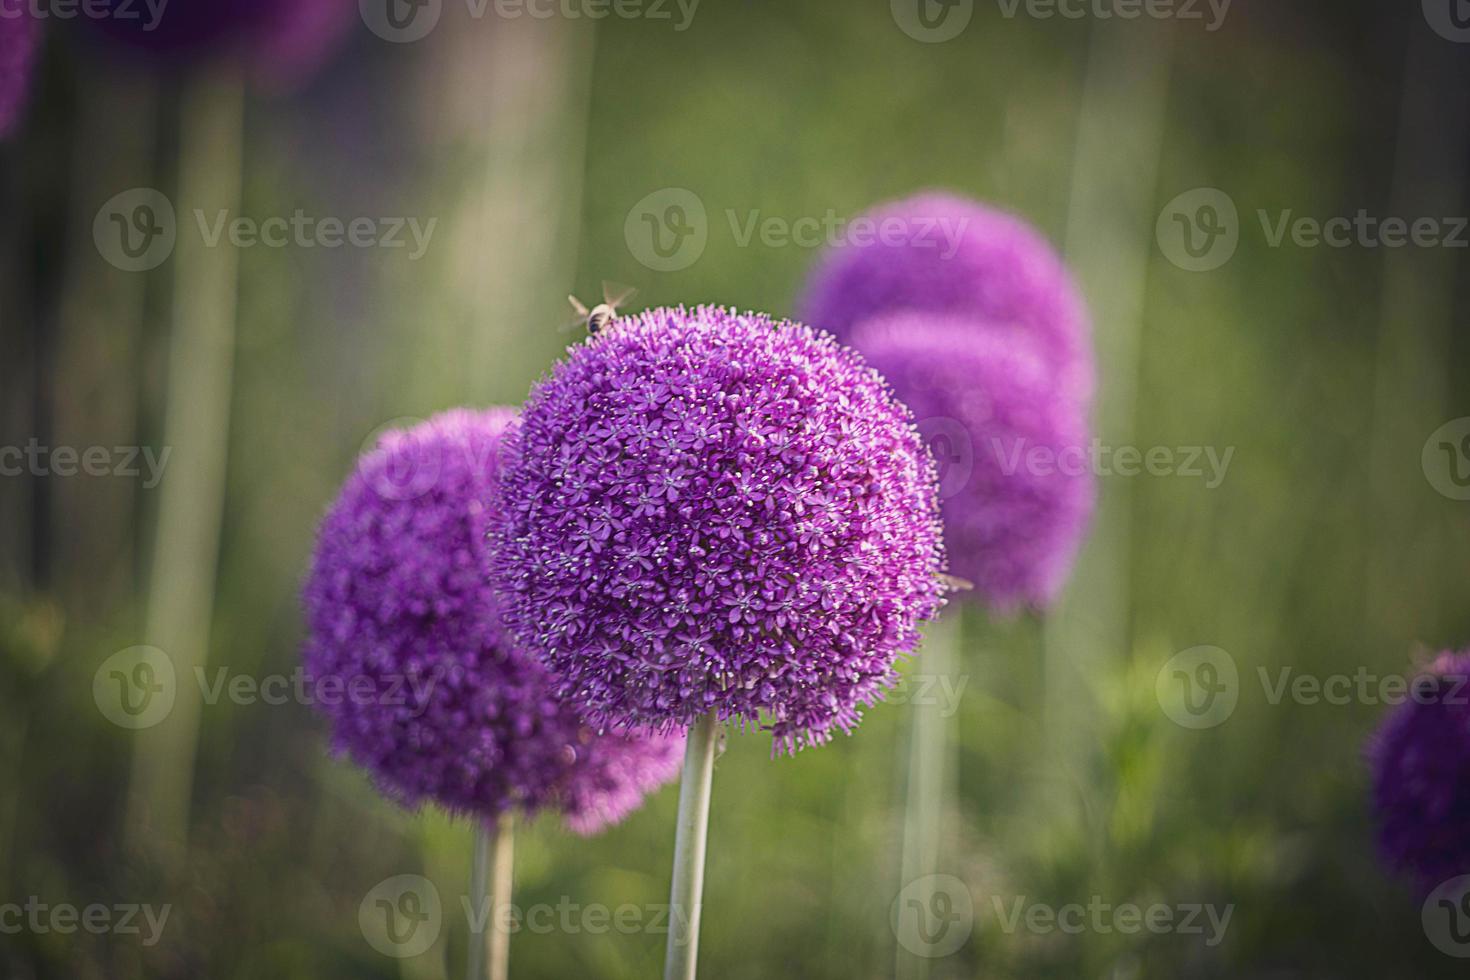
column 1420, row 761
column 407, row 659
column 941, row 253
column 1016, row 483
column 704, row 510
column 20, row 34
column 280, row 40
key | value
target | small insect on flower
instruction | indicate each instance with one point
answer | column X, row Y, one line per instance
column 597, row 318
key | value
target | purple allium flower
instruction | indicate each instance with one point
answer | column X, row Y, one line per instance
column 407, row 659
column 941, row 253
column 1420, row 760
column 703, row 510
column 1015, row 477
column 19, row 37
column 280, row 39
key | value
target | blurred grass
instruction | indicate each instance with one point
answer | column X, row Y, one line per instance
column 792, row 109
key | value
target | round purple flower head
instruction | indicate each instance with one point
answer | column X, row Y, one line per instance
column 19, row 37
column 711, row 511
column 1015, row 481
column 408, row 661
column 279, row 39
column 941, row 253
column 1420, row 760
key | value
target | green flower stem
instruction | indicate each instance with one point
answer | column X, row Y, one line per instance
column 930, row 749
column 196, row 427
column 686, row 895
column 490, row 890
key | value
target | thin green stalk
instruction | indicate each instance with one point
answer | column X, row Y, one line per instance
column 1109, row 244
column 490, row 890
column 929, row 751
column 196, row 430
column 686, row 894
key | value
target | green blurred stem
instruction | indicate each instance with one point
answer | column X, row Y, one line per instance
column 196, row 430
column 490, row 891
column 929, row 749
column 686, row 895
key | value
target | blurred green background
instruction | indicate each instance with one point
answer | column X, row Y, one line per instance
column 1325, row 549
